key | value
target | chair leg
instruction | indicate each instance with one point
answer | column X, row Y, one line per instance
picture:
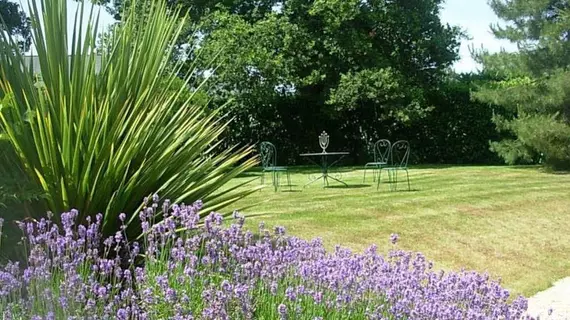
column 262, row 177
column 378, row 169
column 289, row 180
column 396, row 184
column 364, row 180
column 275, row 180
column 379, row 179
column 408, row 176
column 392, row 175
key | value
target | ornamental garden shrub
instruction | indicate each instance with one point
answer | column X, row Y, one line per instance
column 180, row 269
column 100, row 132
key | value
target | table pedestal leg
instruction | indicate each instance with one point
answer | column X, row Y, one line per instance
column 325, row 173
column 337, row 180
column 325, row 168
column 314, row 180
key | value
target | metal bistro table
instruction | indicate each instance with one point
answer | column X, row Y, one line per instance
column 324, row 164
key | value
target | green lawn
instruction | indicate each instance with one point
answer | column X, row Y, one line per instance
column 513, row 222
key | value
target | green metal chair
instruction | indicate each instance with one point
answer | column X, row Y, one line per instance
column 268, row 154
column 399, row 155
column 381, row 158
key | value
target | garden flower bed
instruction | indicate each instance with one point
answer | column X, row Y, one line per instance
column 186, row 270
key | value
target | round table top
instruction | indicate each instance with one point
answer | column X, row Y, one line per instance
column 340, row 153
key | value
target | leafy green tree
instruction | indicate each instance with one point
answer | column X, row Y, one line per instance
column 196, row 9
column 293, row 68
column 532, row 85
column 15, row 22
column 352, row 68
column 459, row 129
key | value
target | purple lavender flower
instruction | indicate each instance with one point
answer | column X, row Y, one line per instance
column 118, row 237
column 280, row 230
column 394, row 237
column 122, row 314
column 170, row 295
column 122, row 217
column 318, row 297
column 273, row 288
column 232, row 273
column 63, row 302
column 291, row 294
column 108, row 242
column 226, row 286
column 90, row 304
column 282, row 309
column 102, row 292
column 166, row 207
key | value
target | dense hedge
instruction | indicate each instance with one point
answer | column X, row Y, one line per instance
column 457, row 130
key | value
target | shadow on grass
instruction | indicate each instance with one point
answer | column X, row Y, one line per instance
column 314, row 170
column 349, row 169
column 249, row 174
column 350, row 186
column 539, row 168
column 561, row 173
column 282, row 186
column 433, row 166
column 399, row 190
column 299, row 170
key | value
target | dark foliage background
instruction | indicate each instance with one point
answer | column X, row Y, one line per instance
column 361, row 71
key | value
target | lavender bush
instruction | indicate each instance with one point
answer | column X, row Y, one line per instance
column 186, row 271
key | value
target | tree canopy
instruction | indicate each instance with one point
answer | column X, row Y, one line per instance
column 532, row 85
column 15, row 22
column 361, row 70
column 358, row 69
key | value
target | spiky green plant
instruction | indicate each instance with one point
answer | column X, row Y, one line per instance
column 102, row 140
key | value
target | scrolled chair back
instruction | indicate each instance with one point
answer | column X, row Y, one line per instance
column 268, row 154
column 400, row 153
column 382, row 151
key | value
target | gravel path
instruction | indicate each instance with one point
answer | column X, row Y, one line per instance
column 557, row 298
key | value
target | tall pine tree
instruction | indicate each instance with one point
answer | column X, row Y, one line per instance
column 533, row 84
